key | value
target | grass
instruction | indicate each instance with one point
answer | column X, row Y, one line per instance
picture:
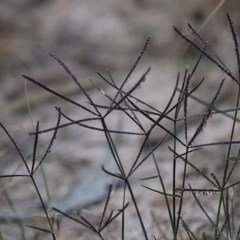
column 223, row 223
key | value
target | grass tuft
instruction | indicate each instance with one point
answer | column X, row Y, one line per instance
column 222, row 184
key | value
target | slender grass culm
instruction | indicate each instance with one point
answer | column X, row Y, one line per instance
column 216, row 185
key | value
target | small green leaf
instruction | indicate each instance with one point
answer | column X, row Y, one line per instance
column 120, row 176
column 165, row 194
column 149, row 178
column 237, row 158
column 40, row 229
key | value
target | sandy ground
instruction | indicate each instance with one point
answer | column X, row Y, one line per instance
column 92, row 37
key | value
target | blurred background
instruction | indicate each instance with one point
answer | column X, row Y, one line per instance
column 92, row 36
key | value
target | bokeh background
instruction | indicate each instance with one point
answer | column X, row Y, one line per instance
column 93, row 36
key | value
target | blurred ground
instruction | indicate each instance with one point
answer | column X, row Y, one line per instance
column 90, row 37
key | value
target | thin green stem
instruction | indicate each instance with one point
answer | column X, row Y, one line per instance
column 221, row 198
column 137, row 210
